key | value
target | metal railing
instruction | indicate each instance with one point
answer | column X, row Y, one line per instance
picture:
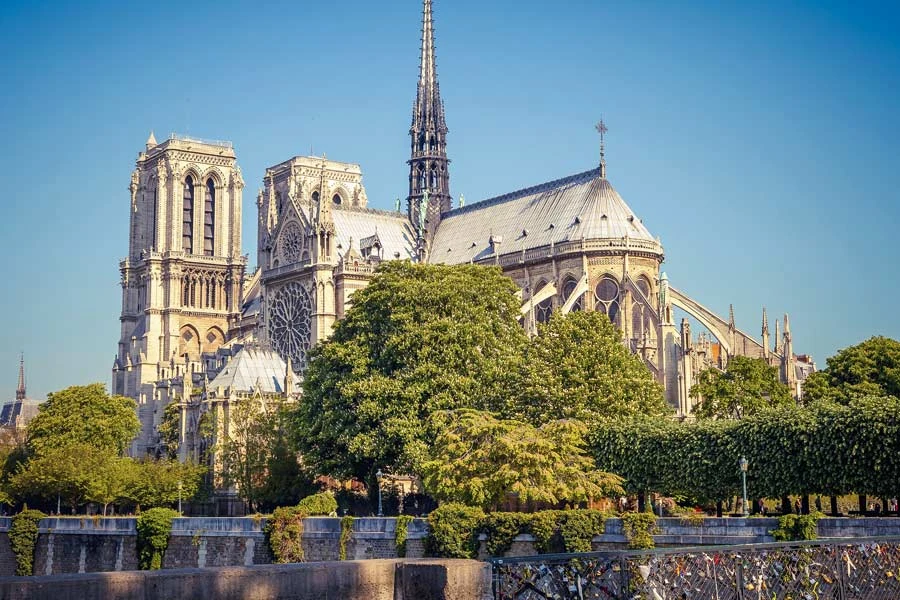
column 861, row 569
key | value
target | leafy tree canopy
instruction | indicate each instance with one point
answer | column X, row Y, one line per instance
column 871, row 368
column 84, row 415
column 578, row 368
column 747, row 387
column 418, row 339
column 478, row 459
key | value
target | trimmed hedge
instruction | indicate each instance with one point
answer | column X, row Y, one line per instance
column 454, row 531
column 322, row 504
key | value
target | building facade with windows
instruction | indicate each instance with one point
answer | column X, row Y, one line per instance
column 569, row 244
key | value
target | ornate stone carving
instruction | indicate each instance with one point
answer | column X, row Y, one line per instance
column 290, row 323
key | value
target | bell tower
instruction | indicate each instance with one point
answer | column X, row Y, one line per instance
column 429, row 173
column 181, row 281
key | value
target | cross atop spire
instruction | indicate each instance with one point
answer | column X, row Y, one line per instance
column 20, row 389
column 602, row 129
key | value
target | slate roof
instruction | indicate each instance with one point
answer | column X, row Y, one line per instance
column 393, row 229
column 582, row 206
column 253, row 368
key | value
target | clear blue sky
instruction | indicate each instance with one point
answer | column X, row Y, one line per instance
column 758, row 140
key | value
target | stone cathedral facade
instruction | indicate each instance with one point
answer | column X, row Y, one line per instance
column 198, row 330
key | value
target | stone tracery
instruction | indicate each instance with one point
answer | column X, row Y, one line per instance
column 290, row 323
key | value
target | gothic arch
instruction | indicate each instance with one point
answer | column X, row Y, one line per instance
column 191, row 171
column 217, row 176
column 189, row 342
column 213, row 338
column 346, row 197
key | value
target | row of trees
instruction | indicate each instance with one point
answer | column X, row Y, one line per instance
column 74, row 453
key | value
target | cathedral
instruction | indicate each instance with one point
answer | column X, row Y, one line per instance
column 199, row 330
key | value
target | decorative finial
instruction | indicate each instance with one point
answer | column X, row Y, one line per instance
column 731, row 316
column 765, row 322
column 602, row 129
column 397, row 205
column 462, row 200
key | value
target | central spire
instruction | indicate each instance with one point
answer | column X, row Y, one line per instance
column 429, row 175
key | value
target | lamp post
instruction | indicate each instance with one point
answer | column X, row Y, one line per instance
column 379, row 475
column 180, row 487
column 744, row 464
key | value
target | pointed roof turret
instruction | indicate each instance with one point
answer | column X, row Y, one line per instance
column 765, row 322
column 151, row 140
column 731, row 316
column 20, row 389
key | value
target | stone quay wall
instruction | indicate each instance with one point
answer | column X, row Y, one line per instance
column 384, row 579
column 85, row 545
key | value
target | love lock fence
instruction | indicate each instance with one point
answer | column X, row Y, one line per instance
column 864, row 569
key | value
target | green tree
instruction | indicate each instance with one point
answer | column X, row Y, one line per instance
column 578, row 368
column 65, row 472
column 157, row 483
column 84, row 415
column 169, row 430
column 871, row 368
column 748, row 386
column 250, row 447
column 479, row 460
column 110, row 478
column 418, row 339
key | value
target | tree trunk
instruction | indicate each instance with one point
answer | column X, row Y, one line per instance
column 104, row 508
column 642, row 504
column 834, row 506
column 786, row 505
column 719, row 508
column 804, row 503
column 863, row 507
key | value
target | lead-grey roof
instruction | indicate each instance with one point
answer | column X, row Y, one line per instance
column 393, row 230
column 253, row 369
column 582, row 206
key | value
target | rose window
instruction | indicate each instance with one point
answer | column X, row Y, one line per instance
column 290, row 318
column 291, row 243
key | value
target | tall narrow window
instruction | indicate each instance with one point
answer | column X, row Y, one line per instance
column 187, row 224
column 209, row 217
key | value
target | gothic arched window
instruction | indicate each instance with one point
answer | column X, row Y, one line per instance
column 606, row 297
column 187, row 224
column 543, row 310
column 568, row 288
column 644, row 285
column 336, row 199
column 209, row 217
column 315, row 197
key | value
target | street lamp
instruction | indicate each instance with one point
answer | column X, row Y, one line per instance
column 180, row 487
column 744, row 464
column 379, row 475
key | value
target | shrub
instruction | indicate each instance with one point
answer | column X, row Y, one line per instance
column 284, row 533
column 401, row 533
column 321, row 504
column 153, row 529
column 544, row 526
column 797, row 527
column 639, row 529
column 501, row 529
column 453, row 531
column 346, row 532
column 578, row 528
column 23, row 535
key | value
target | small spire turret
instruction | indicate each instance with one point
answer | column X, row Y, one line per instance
column 20, row 389
column 602, row 129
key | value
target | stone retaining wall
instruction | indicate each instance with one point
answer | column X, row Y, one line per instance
column 85, row 545
column 348, row 580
